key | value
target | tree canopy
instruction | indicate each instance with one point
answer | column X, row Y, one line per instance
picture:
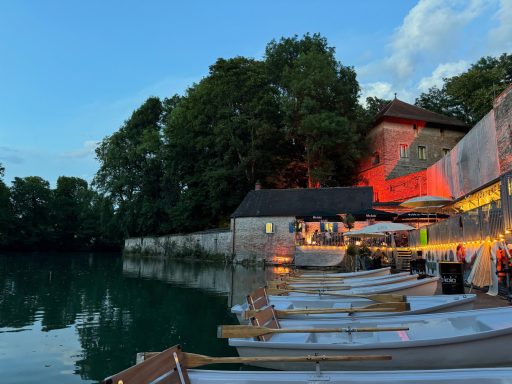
column 469, row 96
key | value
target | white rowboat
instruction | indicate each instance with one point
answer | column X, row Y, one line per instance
column 418, row 304
column 362, row 282
column 421, row 287
column 465, row 339
column 371, row 272
column 172, row 366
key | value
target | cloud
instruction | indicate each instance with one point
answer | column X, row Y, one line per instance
column 10, row 155
column 87, row 150
column 500, row 38
column 432, row 27
column 442, row 71
column 431, row 31
column 384, row 90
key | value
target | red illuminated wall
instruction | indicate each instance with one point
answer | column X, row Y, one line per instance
column 395, row 178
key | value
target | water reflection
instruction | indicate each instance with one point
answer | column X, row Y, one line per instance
column 78, row 318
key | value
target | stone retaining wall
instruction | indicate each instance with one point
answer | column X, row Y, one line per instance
column 219, row 242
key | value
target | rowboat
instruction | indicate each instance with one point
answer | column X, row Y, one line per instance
column 371, row 272
column 418, row 305
column 463, row 339
column 421, row 287
column 172, row 366
column 360, row 282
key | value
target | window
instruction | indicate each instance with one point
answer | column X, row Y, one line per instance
column 375, row 158
column 404, row 151
column 269, row 228
column 422, row 152
column 446, row 151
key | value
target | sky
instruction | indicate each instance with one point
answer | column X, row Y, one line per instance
column 71, row 72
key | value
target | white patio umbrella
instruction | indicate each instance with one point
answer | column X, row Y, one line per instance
column 380, row 228
column 358, row 233
column 426, row 201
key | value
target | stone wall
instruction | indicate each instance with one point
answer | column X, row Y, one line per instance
column 211, row 241
column 251, row 241
column 503, row 117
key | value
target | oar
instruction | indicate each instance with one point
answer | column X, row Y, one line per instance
column 384, row 307
column 274, row 284
column 193, row 360
column 245, row 331
column 378, row 297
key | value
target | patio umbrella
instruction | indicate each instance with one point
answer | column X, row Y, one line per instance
column 375, row 214
column 419, row 216
column 426, row 201
column 358, row 233
column 384, row 227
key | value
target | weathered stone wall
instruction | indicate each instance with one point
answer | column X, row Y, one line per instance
column 503, row 118
column 251, row 241
column 211, row 241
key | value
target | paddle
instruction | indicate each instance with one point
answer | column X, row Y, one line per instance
column 378, row 297
column 193, row 360
column 245, row 331
column 384, row 307
column 274, row 284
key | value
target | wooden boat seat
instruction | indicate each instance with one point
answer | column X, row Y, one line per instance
column 161, row 368
column 257, row 299
column 265, row 318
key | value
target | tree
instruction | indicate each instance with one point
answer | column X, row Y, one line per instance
column 5, row 212
column 30, row 201
column 221, row 138
column 71, row 213
column 318, row 99
column 131, row 170
column 469, row 96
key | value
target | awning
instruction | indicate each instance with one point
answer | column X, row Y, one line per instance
column 373, row 214
column 420, row 217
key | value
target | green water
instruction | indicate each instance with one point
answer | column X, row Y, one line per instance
column 77, row 318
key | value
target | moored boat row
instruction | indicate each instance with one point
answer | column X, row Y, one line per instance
column 351, row 329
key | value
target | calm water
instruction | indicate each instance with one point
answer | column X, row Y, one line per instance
column 77, row 318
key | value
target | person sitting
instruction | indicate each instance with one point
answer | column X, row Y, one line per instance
column 377, row 259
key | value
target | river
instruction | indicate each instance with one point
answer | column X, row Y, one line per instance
column 77, row 318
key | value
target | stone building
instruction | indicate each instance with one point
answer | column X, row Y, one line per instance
column 404, row 141
column 270, row 223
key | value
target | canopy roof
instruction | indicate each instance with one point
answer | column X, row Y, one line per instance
column 399, row 109
column 304, row 202
column 426, row 201
column 375, row 214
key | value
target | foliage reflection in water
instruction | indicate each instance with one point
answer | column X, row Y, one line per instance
column 77, row 318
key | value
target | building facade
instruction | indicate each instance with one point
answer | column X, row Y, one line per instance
column 271, row 223
column 404, row 141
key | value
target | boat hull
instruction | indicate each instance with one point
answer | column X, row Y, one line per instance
column 458, row 376
column 479, row 353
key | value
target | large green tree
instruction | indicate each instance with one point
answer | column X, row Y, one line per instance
column 318, row 99
column 469, row 96
column 221, row 137
column 131, row 170
column 30, row 202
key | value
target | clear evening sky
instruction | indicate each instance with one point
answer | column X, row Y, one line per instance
column 72, row 71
